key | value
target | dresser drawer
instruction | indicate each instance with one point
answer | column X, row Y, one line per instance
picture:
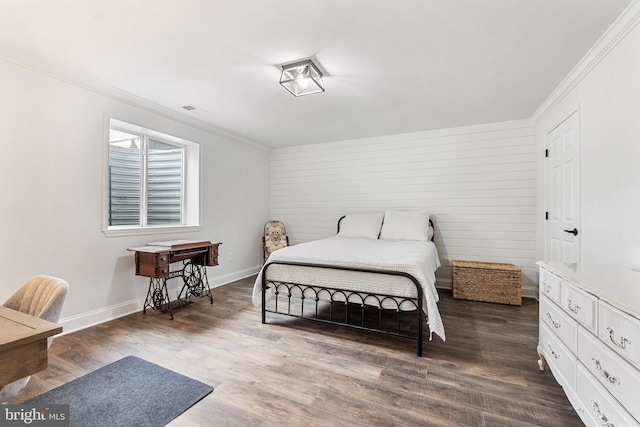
column 620, row 378
column 152, row 259
column 550, row 285
column 578, row 405
column 158, row 271
column 599, row 403
column 620, row 331
column 559, row 323
column 212, row 257
column 559, row 358
column 580, row 305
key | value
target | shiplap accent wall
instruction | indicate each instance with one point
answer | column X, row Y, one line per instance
column 478, row 183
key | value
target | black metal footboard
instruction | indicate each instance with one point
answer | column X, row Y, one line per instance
column 318, row 303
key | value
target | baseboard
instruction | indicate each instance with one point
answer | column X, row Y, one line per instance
column 91, row 318
column 530, row 293
column 232, row 277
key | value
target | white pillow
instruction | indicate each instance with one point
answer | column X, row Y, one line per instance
column 361, row 225
column 405, row 225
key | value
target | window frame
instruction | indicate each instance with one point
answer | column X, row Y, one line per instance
column 191, row 197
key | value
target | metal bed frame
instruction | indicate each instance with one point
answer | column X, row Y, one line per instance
column 343, row 303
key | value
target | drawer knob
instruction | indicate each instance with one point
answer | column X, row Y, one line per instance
column 623, row 341
column 553, row 353
column 605, row 374
column 575, row 308
column 546, row 288
column 553, row 322
column 601, row 417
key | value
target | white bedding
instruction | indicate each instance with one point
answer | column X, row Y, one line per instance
column 417, row 258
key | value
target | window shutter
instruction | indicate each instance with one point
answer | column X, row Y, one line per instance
column 164, row 183
column 124, row 188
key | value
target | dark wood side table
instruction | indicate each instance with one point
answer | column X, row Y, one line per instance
column 154, row 260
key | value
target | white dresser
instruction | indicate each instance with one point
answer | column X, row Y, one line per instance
column 590, row 339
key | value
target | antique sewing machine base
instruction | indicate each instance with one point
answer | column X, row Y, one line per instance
column 195, row 284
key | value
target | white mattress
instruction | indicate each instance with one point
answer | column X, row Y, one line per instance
column 419, row 259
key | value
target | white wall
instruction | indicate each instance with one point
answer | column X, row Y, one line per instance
column 605, row 89
column 51, row 169
column 479, row 184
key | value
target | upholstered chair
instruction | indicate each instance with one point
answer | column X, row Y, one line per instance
column 40, row 296
column 275, row 237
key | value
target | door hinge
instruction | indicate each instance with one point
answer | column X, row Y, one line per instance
column 546, row 216
column 546, row 153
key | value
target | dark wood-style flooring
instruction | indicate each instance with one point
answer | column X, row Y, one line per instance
column 297, row 373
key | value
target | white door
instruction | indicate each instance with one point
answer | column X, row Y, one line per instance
column 563, row 195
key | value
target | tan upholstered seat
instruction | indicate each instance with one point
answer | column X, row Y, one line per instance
column 275, row 237
column 40, row 296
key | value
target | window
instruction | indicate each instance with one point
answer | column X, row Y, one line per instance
column 152, row 180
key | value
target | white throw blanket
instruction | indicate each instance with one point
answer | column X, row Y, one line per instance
column 419, row 259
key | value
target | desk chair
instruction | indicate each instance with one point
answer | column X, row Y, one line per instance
column 40, row 296
column 275, row 237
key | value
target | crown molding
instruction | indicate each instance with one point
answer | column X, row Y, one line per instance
column 626, row 22
column 103, row 89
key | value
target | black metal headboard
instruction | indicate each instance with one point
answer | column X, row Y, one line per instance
column 430, row 224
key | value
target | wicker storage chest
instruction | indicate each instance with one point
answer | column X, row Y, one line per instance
column 487, row 281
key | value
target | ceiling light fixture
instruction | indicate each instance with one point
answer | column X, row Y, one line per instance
column 302, row 78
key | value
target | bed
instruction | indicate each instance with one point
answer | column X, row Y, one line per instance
column 377, row 272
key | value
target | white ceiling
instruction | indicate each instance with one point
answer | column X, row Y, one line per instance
column 393, row 66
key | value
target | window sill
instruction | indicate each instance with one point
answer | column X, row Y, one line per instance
column 141, row 231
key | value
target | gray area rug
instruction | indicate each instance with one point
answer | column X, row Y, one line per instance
column 129, row 392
